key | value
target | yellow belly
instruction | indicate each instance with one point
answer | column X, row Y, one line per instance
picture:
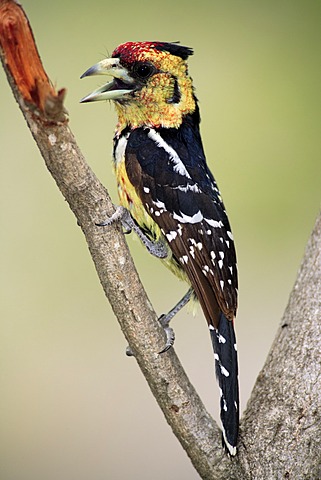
column 130, row 200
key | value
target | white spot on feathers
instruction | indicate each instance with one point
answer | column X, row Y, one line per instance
column 179, row 166
column 214, row 223
column 159, row 204
column 221, row 339
column 171, row 235
column 120, row 149
column 184, row 259
column 196, row 218
column 224, row 371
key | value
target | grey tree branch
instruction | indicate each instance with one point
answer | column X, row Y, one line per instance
column 282, row 422
column 43, row 110
column 281, row 428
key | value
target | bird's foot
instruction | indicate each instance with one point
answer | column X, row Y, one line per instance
column 121, row 214
column 170, row 337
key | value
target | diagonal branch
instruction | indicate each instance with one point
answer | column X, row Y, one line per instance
column 282, row 423
column 281, row 428
column 43, row 110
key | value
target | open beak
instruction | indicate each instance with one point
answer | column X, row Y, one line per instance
column 120, row 85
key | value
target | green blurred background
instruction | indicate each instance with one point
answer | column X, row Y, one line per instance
column 72, row 405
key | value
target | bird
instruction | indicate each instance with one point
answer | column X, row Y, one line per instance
column 169, row 196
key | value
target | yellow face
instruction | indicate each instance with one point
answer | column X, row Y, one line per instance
column 151, row 85
column 164, row 90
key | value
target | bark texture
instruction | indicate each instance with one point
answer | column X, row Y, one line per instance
column 281, row 428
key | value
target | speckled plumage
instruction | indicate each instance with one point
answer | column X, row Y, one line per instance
column 165, row 183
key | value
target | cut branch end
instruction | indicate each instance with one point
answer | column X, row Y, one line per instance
column 22, row 59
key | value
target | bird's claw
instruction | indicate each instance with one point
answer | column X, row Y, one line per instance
column 119, row 214
column 170, row 337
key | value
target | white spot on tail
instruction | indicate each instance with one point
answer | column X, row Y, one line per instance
column 231, row 448
column 224, row 405
column 225, row 372
column 221, row 339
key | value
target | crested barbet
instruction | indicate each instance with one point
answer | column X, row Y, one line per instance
column 169, row 197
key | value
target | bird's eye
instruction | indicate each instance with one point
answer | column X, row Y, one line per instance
column 144, row 70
